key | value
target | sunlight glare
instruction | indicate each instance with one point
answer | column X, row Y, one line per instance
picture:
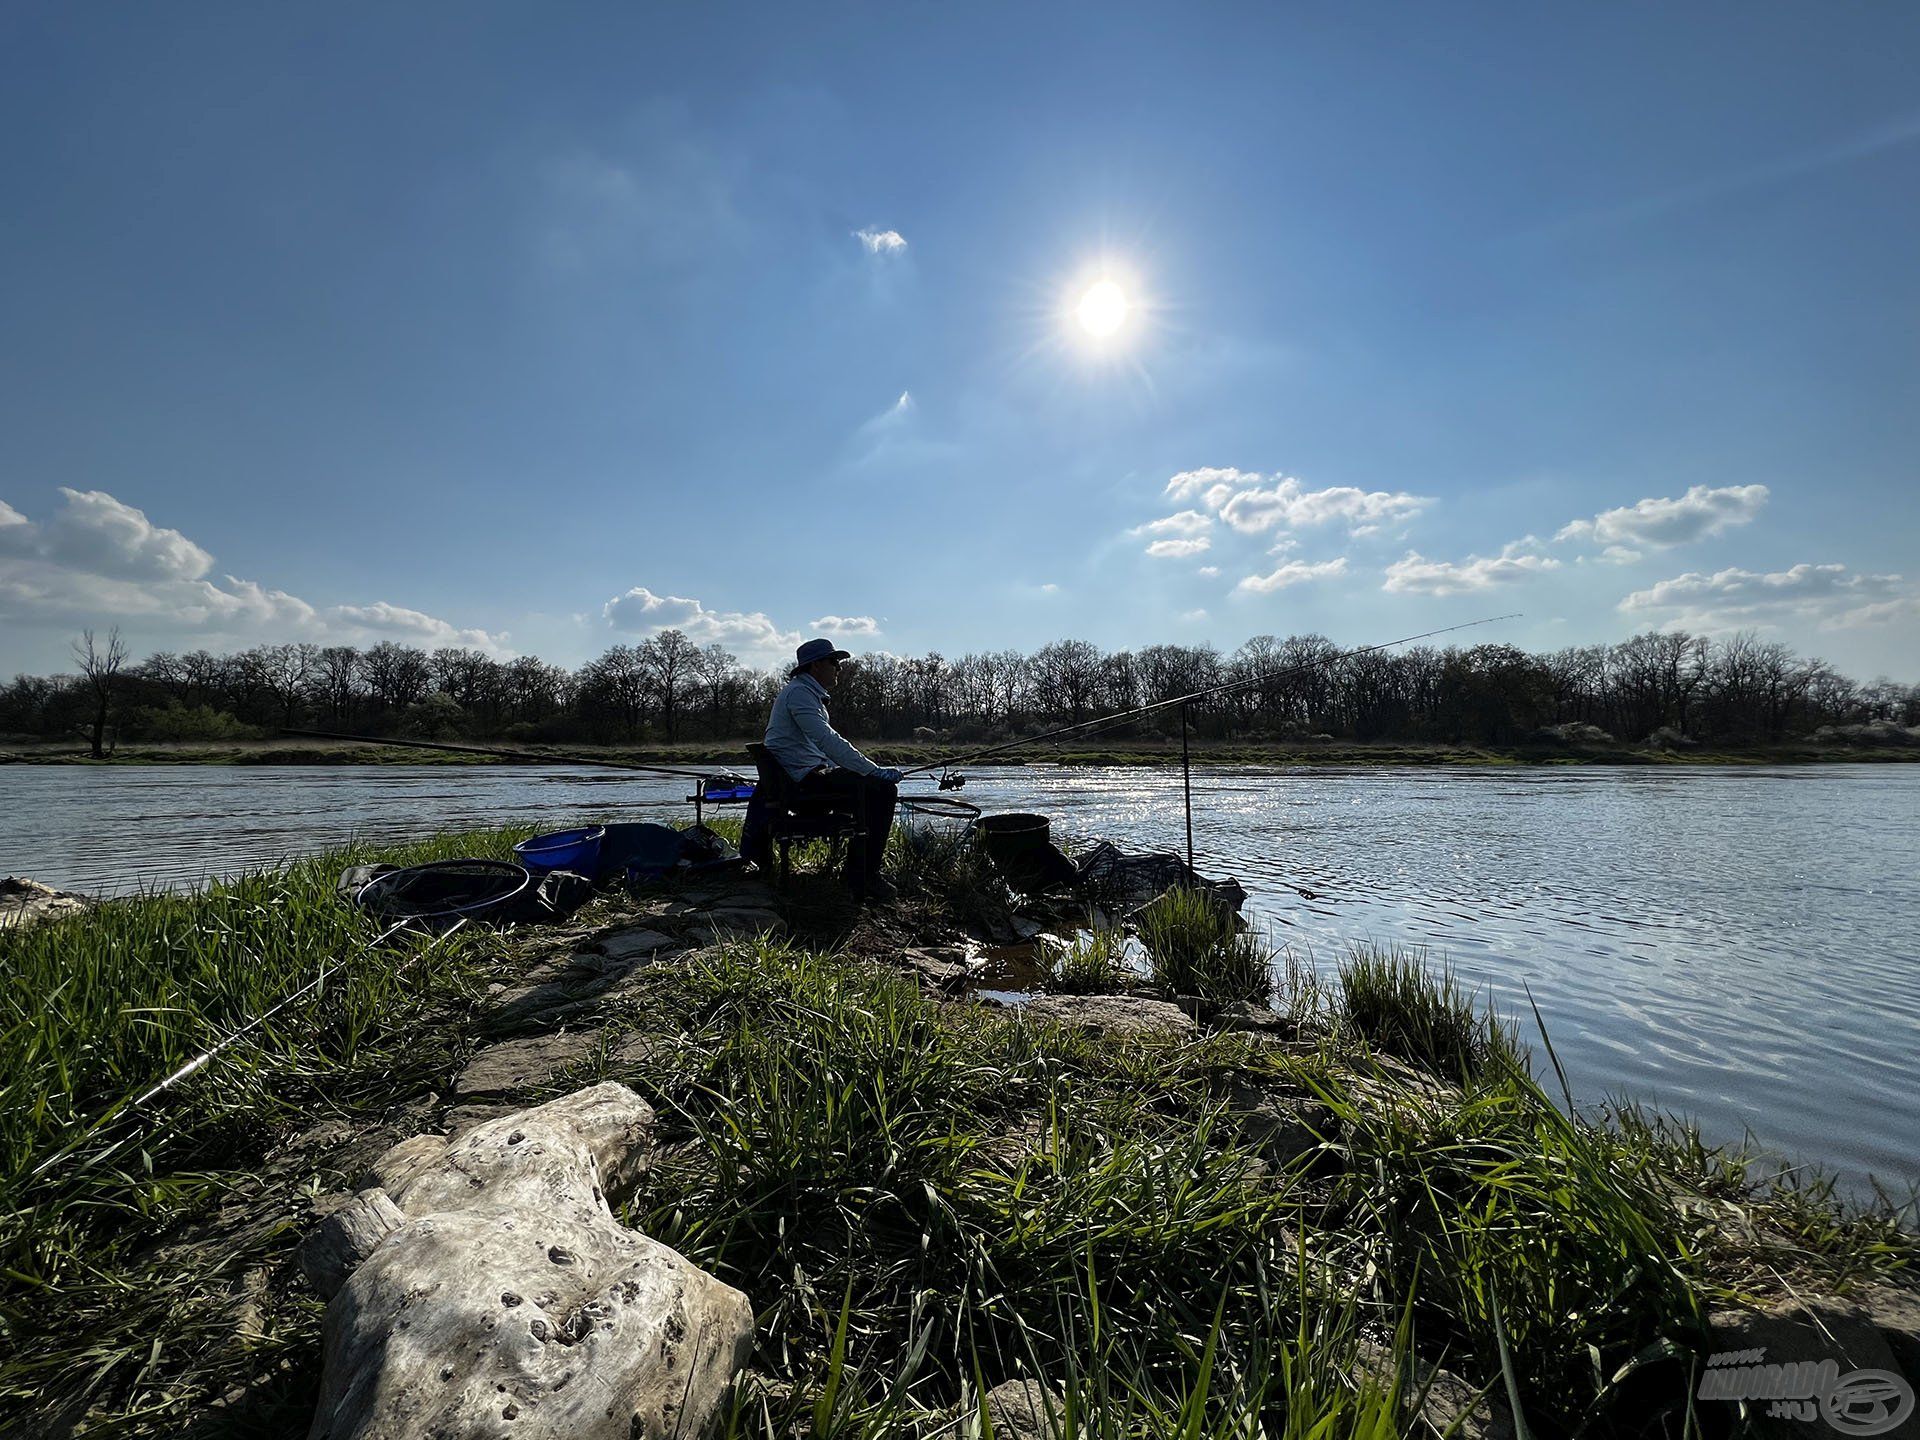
column 1103, row 309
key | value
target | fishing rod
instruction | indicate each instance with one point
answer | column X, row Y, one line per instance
column 1119, row 717
column 932, row 806
column 532, row 756
column 949, row 780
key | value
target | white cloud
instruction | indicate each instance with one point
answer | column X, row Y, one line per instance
column 1193, row 615
column 751, row 634
column 1177, row 549
column 881, row 242
column 1189, row 483
column 18, row 534
column 1049, row 589
column 1209, row 571
column 1291, row 505
column 412, row 627
column 1827, row 595
column 1619, row 555
column 102, row 561
column 1185, row 522
column 1294, row 572
column 1414, row 574
column 845, row 625
column 1665, row 522
column 98, row 534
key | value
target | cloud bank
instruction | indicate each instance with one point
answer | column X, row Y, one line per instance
column 100, row 561
column 1830, row 596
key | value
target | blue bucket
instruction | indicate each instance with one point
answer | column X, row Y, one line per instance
column 575, row 850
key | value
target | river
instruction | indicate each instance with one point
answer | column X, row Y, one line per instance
column 1741, row 945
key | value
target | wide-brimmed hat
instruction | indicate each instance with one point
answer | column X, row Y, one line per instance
column 815, row 650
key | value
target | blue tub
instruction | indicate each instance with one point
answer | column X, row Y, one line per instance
column 575, row 850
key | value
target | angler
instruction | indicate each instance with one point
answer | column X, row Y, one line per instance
column 827, row 770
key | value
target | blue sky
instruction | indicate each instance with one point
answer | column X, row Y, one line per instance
column 543, row 327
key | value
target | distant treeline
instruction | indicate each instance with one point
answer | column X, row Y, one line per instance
column 1666, row 686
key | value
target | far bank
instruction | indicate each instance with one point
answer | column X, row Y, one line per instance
column 732, row 753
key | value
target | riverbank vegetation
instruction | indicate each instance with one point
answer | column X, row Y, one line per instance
column 1655, row 693
column 1294, row 1227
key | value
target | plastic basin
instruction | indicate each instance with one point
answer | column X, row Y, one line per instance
column 576, row 850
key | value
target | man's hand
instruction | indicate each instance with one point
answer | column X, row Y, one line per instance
column 892, row 777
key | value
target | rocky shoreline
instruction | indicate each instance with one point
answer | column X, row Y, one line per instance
column 447, row 1212
column 527, row 1247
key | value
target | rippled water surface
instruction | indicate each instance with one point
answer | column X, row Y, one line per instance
column 1742, row 945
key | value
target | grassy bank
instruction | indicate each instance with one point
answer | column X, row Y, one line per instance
column 1204, row 1234
column 1103, row 753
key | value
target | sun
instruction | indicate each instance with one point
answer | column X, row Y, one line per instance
column 1103, row 309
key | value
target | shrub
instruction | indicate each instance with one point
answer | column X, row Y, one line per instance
column 1095, row 964
column 1196, row 947
column 1398, row 1005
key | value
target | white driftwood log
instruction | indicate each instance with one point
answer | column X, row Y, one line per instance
column 510, row 1303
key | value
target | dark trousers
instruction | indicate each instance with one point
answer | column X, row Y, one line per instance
column 868, row 800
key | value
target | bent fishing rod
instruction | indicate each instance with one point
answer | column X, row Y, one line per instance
column 1121, row 716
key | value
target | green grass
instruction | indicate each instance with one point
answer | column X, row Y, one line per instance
column 993, row 1206
column 1195, row 947
column 1001, row 1198
column 98, row 1007
column 1393, row 1001
column 944, row 866
column 1095, row 964
column 921, row 1200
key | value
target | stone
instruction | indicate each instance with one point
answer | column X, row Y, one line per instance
column 1026, row 1410
column 509, row 1301
column 722, row 924
column 1111, row 1015
column 638, row 943
column 1285, row 1128
column 1812, row 1332
column 1246, row 1016
column 26, row 902
column 1896, row 1314
column 1439, row 1401
column 521, row 1064
column 935, row 970
column 462, row 1118
column 345, row 1238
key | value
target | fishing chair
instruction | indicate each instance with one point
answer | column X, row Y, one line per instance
column 793, row 816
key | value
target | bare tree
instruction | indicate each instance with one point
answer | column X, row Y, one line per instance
column 669, row 660
column 336, row 680
column 284, row 672
column 99, row 668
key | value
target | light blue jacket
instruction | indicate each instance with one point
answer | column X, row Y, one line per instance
column 800, row 736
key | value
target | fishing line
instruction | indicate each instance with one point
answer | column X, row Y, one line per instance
column 129, row 1105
